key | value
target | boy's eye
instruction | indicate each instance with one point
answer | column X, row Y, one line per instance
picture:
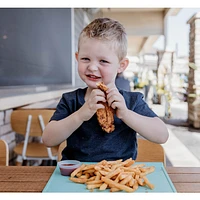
column 85, row 59
column 104, row 61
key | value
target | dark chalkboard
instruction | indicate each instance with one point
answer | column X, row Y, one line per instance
column 35, row 46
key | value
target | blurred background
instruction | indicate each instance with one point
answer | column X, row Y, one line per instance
column 37, row 65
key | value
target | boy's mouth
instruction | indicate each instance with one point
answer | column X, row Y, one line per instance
column 93, row 76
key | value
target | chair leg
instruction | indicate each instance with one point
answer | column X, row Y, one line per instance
column 44, row 163
column 54, row 163
column 24, row 163
column 50, row 163
column 38, row 162
column 19, row 160
column 18, row 163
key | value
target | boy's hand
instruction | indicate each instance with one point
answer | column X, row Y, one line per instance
column 91, row 105
column 116, row 101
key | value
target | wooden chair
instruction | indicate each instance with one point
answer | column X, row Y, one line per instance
column 61, row 147
column 150, row 152
column 4, row 153
column 31, row 123
column 147, row 151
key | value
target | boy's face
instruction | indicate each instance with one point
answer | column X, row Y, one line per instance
column 97, row 62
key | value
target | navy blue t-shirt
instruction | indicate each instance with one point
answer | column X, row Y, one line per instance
column 89, row 142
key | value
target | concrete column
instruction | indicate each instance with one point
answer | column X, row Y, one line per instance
column 194, row 74
column 169, row 15
column 166, row 33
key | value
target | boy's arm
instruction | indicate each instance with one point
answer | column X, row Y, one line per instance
column 152, row 128
column 57, row 131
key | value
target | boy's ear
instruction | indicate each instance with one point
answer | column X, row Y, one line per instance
column 76, row 55
column 123, row 65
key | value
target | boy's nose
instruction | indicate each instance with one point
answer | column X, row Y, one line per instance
column 93, row 66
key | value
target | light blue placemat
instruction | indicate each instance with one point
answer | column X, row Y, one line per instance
column 160, row 179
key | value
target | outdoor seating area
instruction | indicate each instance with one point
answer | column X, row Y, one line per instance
column 156, row 83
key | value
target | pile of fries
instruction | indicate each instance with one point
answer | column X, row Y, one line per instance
column 114, row 175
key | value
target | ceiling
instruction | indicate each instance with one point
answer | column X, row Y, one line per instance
column 143, row 26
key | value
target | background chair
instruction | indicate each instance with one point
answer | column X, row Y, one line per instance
column 150, row 152
column 4, row 153
column 30, row 124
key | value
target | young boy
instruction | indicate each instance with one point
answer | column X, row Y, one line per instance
column 101, row 55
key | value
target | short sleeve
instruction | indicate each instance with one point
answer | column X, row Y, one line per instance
column 62, row 110
column 69, row 103
column 142, row 108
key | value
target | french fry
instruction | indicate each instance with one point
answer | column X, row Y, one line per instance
column 88, row 171
column 126, row 162
column 98, row 176
column 113, row 173
column 103, row 186
column 115, row 166
column 94, row 182
column 148, row 170
column 85, row 176
column 98, row 167
column 117, row 185
column 77, row 170
column 137, row 176
column 88, row 167
column 138, row 166
column 78, row 180
column 129, row 169
column 79, row 174
column 135, row 186
column 92, row 178
column 126, row 180
column 123, row 176
column 131, row 162
column 151, row 186
column 117, row 175
column 103, row 172
column 106, row 168
column 141, row 182
column 131, row 182
column 103, row 162
column 114, row 162
column 137, row 171
column 113, row 189
column 93, row 186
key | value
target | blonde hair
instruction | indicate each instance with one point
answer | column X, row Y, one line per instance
column 107, row 30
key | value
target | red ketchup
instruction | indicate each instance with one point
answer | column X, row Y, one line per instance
column 67, row 167
column 67, row 164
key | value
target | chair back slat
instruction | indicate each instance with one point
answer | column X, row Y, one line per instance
column 19, row 119
column 150, row 152
column 4, row 153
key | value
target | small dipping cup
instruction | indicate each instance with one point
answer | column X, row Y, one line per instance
column 68, row 166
